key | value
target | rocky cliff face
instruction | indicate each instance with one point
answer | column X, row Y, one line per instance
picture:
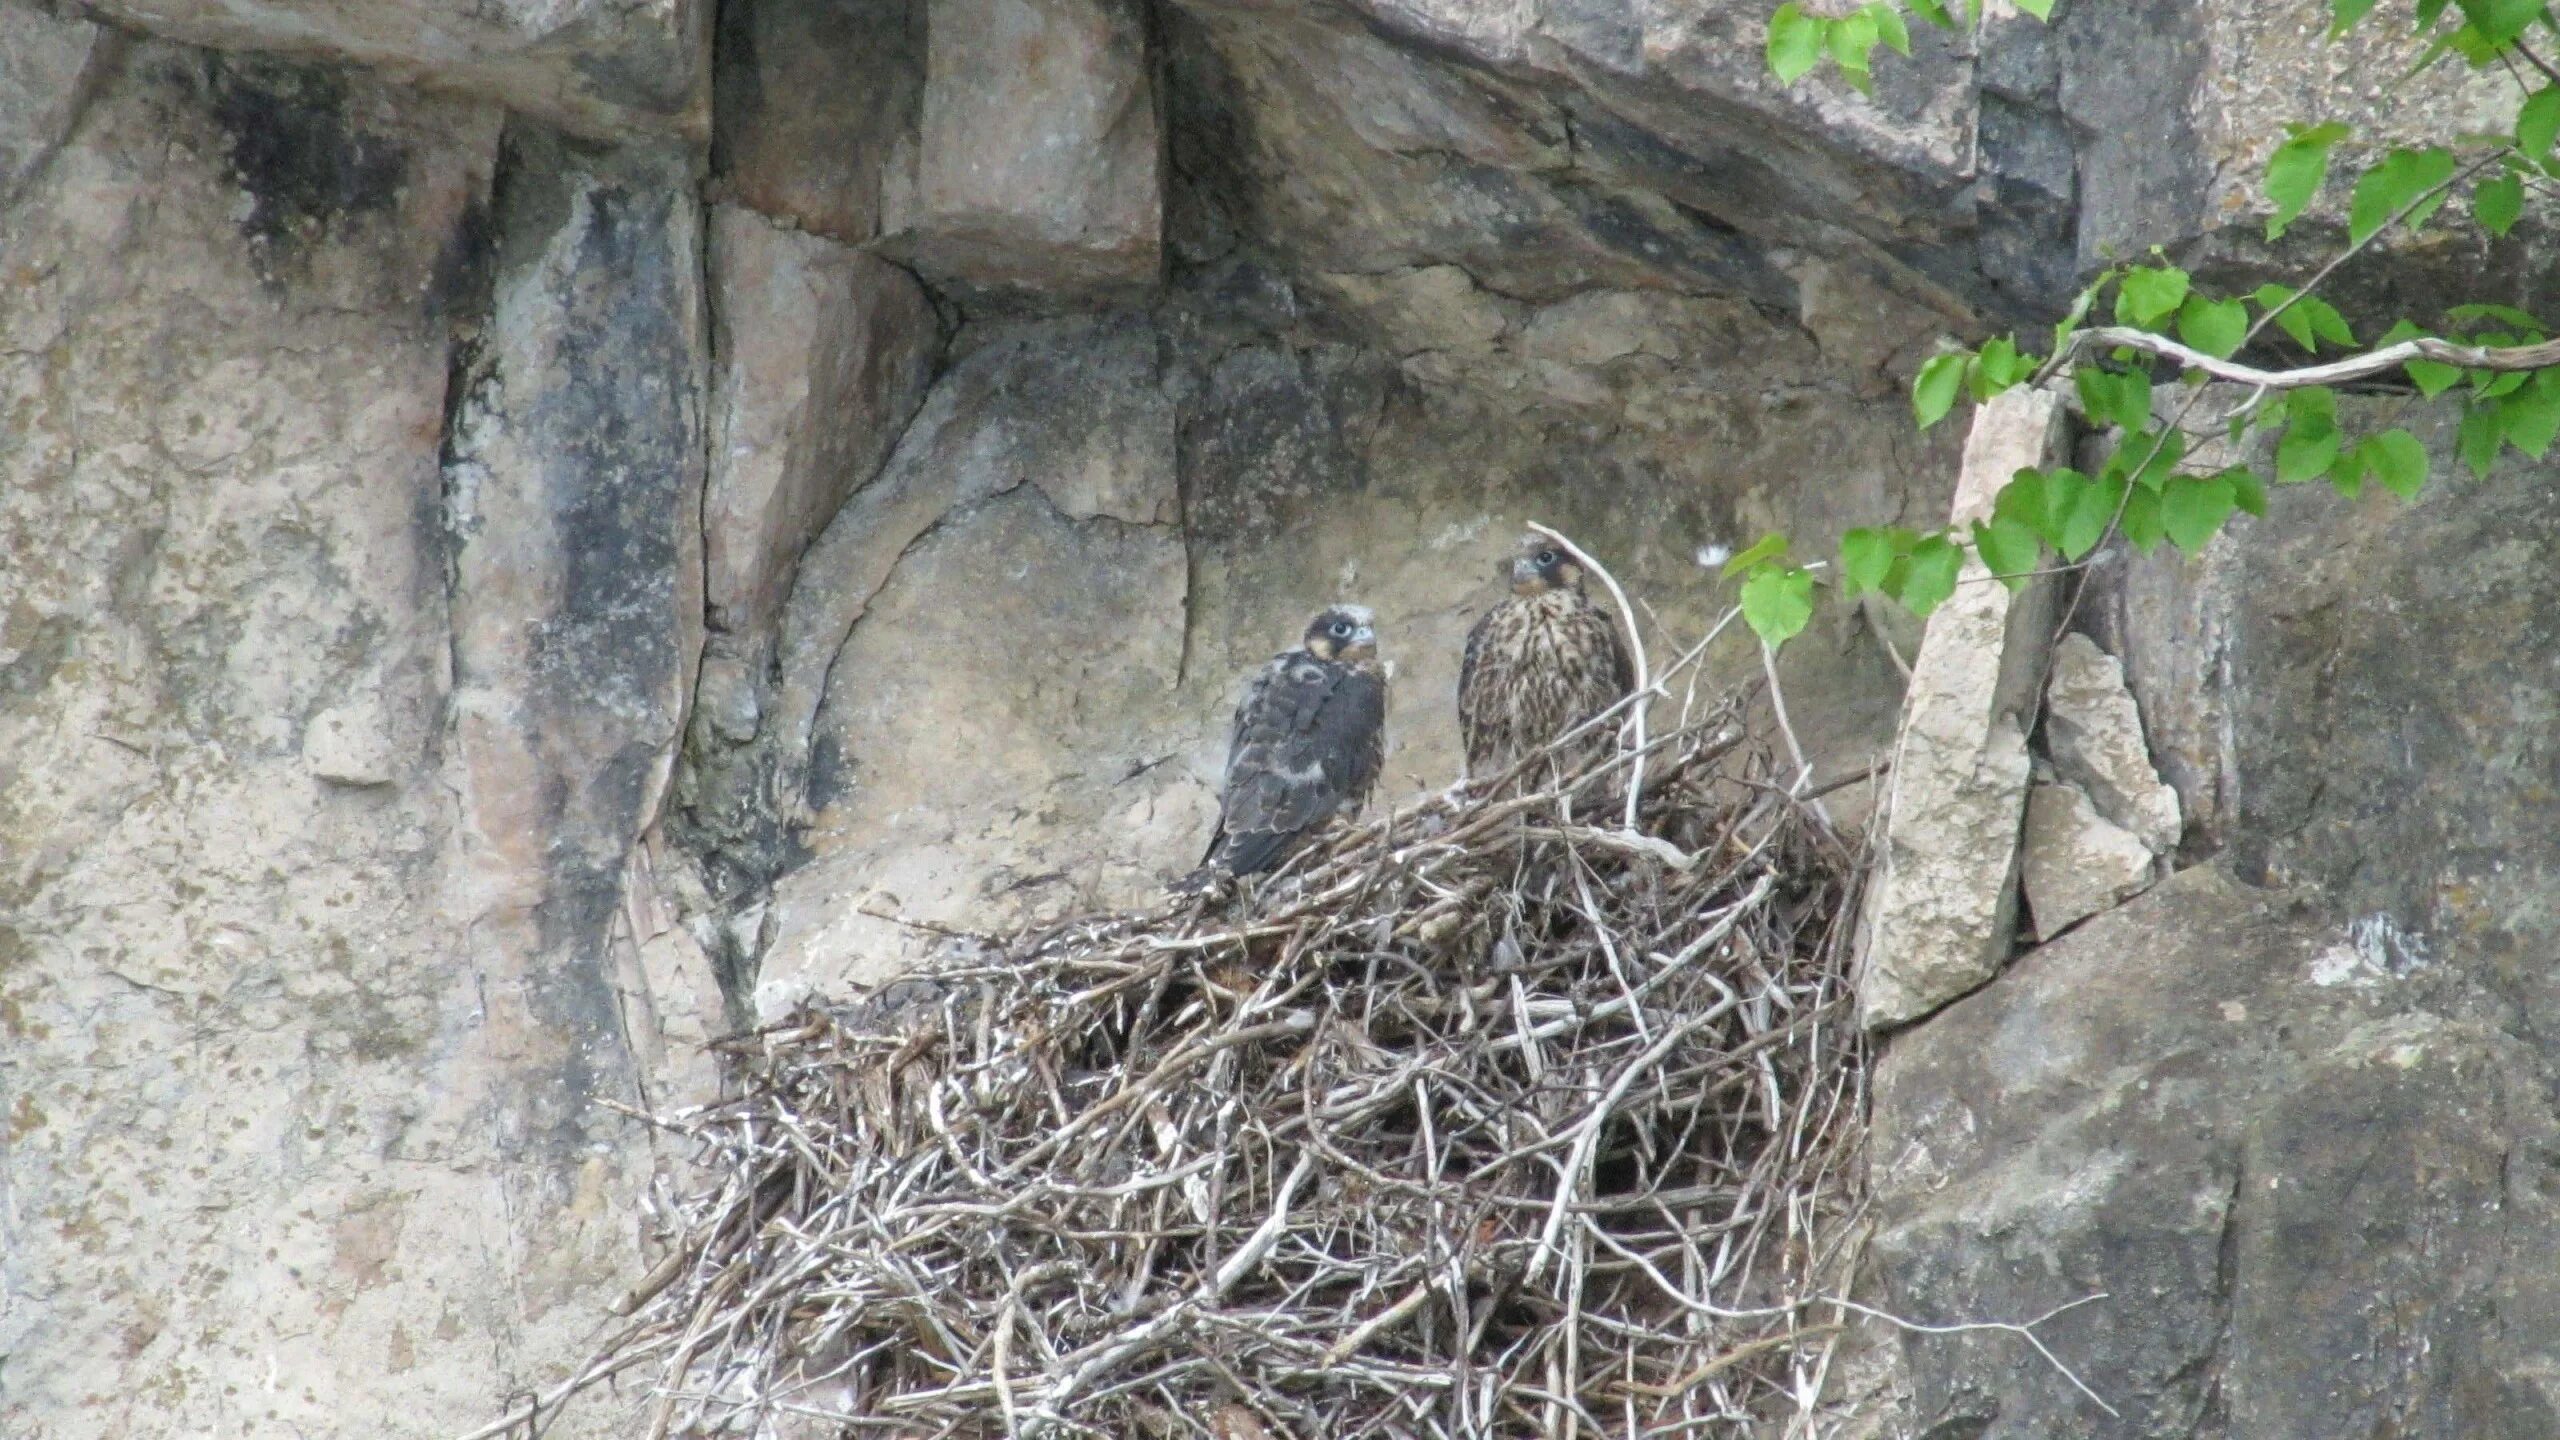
column 532, row 535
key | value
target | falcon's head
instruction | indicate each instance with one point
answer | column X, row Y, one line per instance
column 1539, row 565
column 1344, row 633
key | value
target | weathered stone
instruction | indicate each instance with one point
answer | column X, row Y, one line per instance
column 2075, row 862
column 824, row 353
column 817, row 107
column 351, row 744
column 267, row 1157
column 1035, row 688
column 2174, row 1106
column 1038, row 166
column 1046, row 457
column 1674, row 121
column 2094, row 731
column 45, row 75
column 596, row 67
column 2356, row 697
column 1062, row 402
column 573, row 499
column 575, row 479
column 1941, row 911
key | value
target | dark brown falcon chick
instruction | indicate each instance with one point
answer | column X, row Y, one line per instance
column 1538, row 664
column 1308, row 741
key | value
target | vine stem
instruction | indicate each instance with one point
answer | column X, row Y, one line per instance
column 2355, row 367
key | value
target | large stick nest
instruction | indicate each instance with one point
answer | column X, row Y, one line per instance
column 1488, row 1117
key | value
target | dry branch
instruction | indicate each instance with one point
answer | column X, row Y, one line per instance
column 2336, row 372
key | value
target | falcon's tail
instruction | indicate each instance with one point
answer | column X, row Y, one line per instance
column 1251, row 852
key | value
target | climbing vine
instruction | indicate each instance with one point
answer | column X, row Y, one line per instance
column 2499, row 364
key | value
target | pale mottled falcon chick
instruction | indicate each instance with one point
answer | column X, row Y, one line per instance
column 1538, row 664
column 1308, row 741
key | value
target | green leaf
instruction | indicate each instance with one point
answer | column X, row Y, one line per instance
column 2312, row 402
column 1934, row 389
column 2023, row 500
column 1767, row 548
column 2499, row 22
column 2498, row 204
column 1853, row 40
column 1795, row 42
column 2215, row 327
column 2307, row 450
column 2397, row 460
column 2192, row 509
column 2433, row 377
column 2343, row 15
column 2393, row 185
column 1889, row 25
column 2502, row 314
column 2247, row 490
column 2141, row 521
column 1935, row 12
column 2069, row 324
column 2000, row 366
column 2008, row 549
column 2325, row 319
column 1777, row 602
column 2148, row 294
column 2477, row 441
column 2538, row 122
column 2530, row 416
column 2093, row 507
column 2041, row 9
column 2346, row 476
column 2290, row 314
column 2114, row 397
column 1935, row 563
column 2147, row 457
column 2166, row 452
column 1866, row 556
column 2297, row 170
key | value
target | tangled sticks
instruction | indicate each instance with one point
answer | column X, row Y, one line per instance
column 1479, row 1121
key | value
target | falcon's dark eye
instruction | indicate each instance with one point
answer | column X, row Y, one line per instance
column 1546, row 557
column 1340, row 629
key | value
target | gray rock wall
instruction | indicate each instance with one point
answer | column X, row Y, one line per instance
column 298, row 1099
column 530, row 534
column 2291, row 1113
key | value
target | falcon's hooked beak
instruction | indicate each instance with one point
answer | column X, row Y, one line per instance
column 1365, row 638
column 1525, row 579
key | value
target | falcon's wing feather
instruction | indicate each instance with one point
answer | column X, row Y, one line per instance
column 1474, row 681
column 1622, row 668
column 1308, row 740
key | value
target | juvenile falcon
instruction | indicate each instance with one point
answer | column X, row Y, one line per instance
column 1308, row 740
column 1538, row 664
